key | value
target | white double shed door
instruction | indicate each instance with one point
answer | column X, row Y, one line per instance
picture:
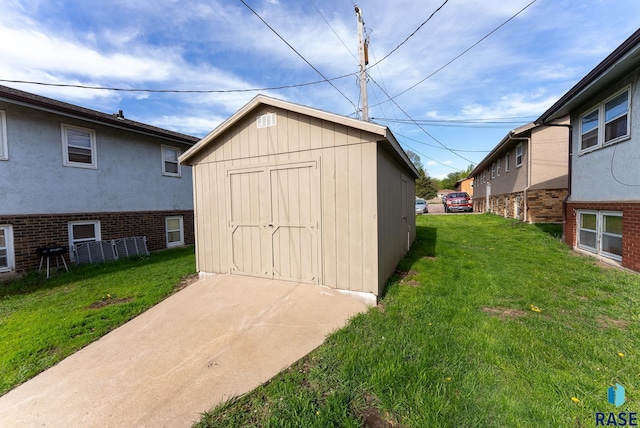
column 274, row 221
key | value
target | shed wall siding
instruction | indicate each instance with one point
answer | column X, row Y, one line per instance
column 392, row 229
column 347, row 159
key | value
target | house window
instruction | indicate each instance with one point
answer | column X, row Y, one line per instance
column 4, row 153
column 498, row 167
column 175, row 231
column 170, row 164
column 600, row 232
column 6, row 248
column 519, row 155
column 506, row 162
column 613, row 113
column 83, row 231
column 493, row 170
column 79, row 147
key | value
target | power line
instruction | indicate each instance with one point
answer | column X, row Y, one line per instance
column 462, row 53
column 438, row 147
column 298, row 53
column 431, row 159
column 445, row 124
column 334, row 31
column 177, row 91
column 492, row 120
column 410, row 35
column 418, row 125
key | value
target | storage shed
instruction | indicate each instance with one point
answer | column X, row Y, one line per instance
column 290, row 192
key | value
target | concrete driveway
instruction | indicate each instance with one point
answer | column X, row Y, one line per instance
column 217, row 338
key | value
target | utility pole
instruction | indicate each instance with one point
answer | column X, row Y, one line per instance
column 363, row 46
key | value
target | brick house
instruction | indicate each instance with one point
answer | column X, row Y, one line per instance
column 70, row 174
column 525, row 175
column 465, row 185
column 602, row 210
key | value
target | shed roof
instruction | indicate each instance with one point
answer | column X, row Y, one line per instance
column 39, row 102
column 622, row 60
column 373, row 128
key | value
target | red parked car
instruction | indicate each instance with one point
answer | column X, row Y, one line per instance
column 458, row 201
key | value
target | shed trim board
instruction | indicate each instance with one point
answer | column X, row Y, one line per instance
column 289, row 192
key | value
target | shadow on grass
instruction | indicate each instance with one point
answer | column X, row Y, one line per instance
column 423, row 246
column 35, row 281
column 552, row 229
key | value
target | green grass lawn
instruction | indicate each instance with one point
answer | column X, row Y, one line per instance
column 490, row 323
column 43, row 321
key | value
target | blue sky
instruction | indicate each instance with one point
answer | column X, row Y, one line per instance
column 507, row 80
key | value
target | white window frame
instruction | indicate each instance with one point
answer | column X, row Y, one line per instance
column 498, row 167
column 600, row 215
column 73, row 241
column 4, row 146
column 164, row 162
column 506, row 162
column 167, row 231
column 519, row 148
column 493, row 170
column 8, row 238
column 65, row 147
column 602, row 123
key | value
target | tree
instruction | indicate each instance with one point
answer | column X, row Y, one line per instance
column 424, row 184
column 449, row 182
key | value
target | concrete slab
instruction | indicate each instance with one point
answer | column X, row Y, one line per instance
column 217, row 338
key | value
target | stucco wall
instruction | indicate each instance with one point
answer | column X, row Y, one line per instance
column 610, row 173
column 128, row 178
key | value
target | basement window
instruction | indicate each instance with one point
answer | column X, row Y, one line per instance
column 600, row 232
column 175, row 231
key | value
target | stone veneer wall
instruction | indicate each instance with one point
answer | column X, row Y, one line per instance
column 33, row 231
column 545, row 205
column 630, row 227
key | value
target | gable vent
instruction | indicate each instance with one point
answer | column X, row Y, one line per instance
column 266, row 120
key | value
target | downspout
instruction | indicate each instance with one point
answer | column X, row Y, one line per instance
column 566, row 198
column 526, row 189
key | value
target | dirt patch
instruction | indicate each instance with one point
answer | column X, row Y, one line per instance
column 109, row 302
column 606, row 322
column 372, row 418
column 504, row 313
column 429, row 258
column 186, row 281
column 411, row 283
column 403, row 274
